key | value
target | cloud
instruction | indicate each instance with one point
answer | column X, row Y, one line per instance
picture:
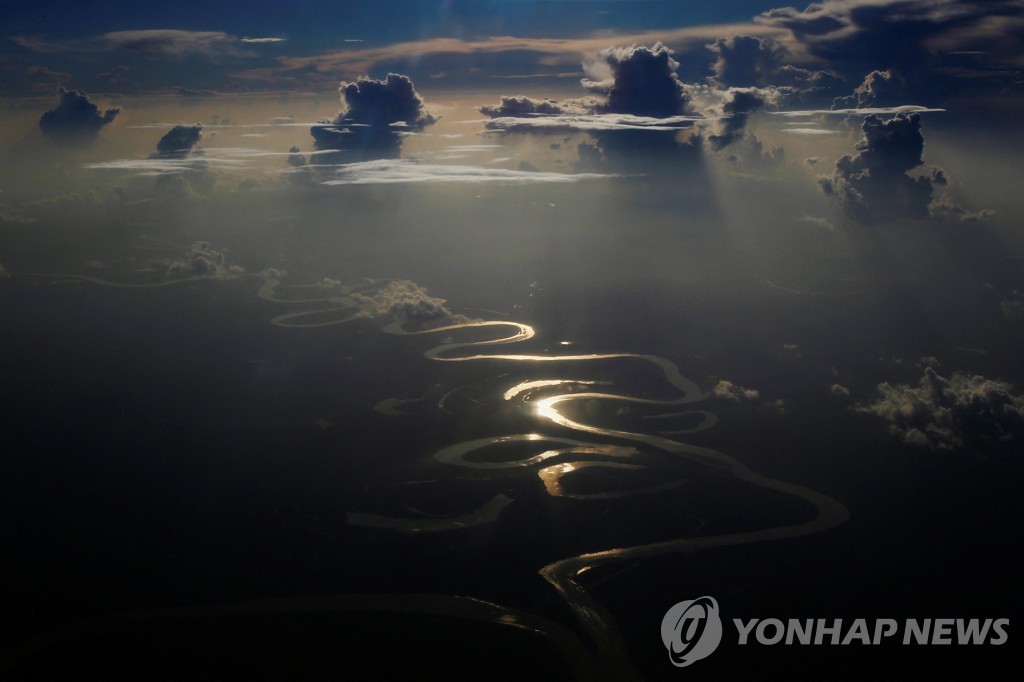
column 874, row 185
column 727, row 390
column 116, row 78
column 46, row 73
column 809, row 131
column 170, row 42
column 184, row 161
column 75, row 118
column 402, row 171
column 877, row 111
column 189, row 92
column 856, row 37
column 375, row 114
column 636, row 109
column 735, row 108
column 405, row 301
column 519, row 105
column 295, row 157
column 263, row 40
column 641, row 81
column 840, row 391
column 203, row 261
column 744, row 61
column 879, row 89
column 515, row 53
column 962, row 411
column 178, row 142
column 589, row 123
column 1013, row 308
column 381, row 103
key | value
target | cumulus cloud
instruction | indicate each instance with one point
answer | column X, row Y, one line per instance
column 403, row 171
column 635, row 111
column 375, row 115
column 75, row 118
column 874, row 185
column 178, row 142
column 947, row 414
column 727, row 390
column 736, row 108
column 760, row 61
column 862, row 36
column 745, row 61
column 880, row 89
column 203, row 261
column 295, row 157
column 638, row 80
column 840, row 391
column 407, row 302
column 381, row 103
column 520, row 105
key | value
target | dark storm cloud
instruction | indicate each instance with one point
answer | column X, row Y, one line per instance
column 636, row 111
column 947, row 414
column 874, row 185
column 857, row 37
column 178, row 142
column 376, row 114
column 296, row 158
column 641, row 81
column 381, row 103
column 75, row 118
column 743, row 61
column 880, row 89
column 519, row 105
column 736, row 107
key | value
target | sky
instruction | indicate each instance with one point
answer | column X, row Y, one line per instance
column 525, row 311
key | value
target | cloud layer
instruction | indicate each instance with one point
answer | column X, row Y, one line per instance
column 404, row 171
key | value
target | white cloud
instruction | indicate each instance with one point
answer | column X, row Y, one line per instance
column 590, row 122
column 809, row 131
column 904, row 109
column 946, row 414
column 730, row 391
column 387, row 171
